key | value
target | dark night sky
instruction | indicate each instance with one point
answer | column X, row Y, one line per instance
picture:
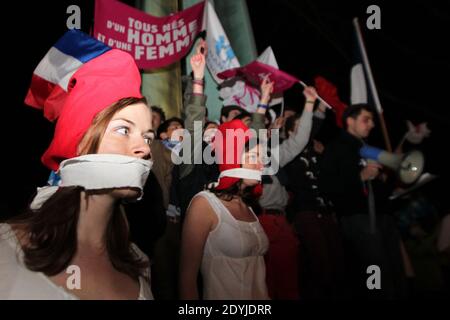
column 409, row 59
column 408, row 55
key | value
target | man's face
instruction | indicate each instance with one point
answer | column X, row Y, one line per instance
column 172, row 131
column 362, row 125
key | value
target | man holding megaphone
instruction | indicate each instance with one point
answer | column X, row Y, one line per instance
column 349, row 180
column 408, row 166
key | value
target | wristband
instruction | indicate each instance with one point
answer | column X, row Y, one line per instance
column 198, row 81
column 264, row 106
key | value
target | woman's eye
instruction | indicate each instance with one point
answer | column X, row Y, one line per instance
column 148, row 140
column 123, row 130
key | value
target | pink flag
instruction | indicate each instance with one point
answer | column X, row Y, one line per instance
column 254, row 72
column 154, row 42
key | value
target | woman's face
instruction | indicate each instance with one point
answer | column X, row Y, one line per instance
column 129, row 132
column 252, row 159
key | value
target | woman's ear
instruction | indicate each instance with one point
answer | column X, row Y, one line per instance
column 163, row 136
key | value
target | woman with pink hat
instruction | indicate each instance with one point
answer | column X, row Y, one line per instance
column 74, row 243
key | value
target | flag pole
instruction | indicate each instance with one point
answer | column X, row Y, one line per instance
column 372, row 85
column 318, row 97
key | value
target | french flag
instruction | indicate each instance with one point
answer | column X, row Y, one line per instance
column 51, row 79
column 363, row 88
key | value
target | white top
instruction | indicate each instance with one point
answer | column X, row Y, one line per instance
column 233, row 264
column 19, row 283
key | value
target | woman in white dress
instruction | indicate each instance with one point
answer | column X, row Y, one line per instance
column 73, row 243
column 221, row 235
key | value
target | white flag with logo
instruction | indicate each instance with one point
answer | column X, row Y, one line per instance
column 220, row 56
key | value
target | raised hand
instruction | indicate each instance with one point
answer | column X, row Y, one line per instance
column 310, row 94
column 311, row 97
column 266, row 90
column 198, row 60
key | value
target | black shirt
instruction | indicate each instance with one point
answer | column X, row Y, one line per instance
column 303, row 173
column 341, row 182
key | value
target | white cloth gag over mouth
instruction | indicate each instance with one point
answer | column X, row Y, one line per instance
column 97, row 172
column 241, row 173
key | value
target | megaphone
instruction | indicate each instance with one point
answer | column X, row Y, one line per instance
column 409, row 166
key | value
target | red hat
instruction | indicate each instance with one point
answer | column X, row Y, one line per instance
column 229, row 149
column 95, row 86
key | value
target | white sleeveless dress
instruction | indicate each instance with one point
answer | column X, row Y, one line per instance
column 19, row 283
column 233, row 259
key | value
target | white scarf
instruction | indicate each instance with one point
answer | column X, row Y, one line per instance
column 96, row 172
column 240, row 173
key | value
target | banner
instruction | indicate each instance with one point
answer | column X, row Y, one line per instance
column 154, row 42
column 254, row 72
column 247, row 96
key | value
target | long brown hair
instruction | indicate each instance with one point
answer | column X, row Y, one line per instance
column 52, row 229
column 246, row 194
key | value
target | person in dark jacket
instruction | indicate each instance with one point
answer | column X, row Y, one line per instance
column 321, row 261
column 347, row 179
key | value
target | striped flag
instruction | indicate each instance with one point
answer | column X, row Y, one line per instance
column 50, row 80
column 363, row 88
column 79, row 77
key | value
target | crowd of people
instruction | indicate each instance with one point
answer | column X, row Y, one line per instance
column 140, row 225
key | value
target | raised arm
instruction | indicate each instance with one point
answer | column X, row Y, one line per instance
column 292, row 146
column 195, row 109
column 259, row 117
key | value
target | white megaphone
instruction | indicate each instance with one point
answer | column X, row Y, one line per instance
column 409, row 166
